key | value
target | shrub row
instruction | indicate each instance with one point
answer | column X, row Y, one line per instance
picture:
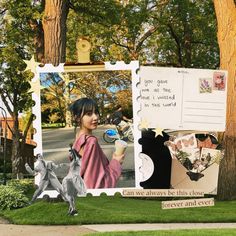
column 13, row 196
column 24, row 185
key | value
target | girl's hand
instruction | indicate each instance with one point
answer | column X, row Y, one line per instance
column 119, row 158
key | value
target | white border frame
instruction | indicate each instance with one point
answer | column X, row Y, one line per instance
column 133, row 66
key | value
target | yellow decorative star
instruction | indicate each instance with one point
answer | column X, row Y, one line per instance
column 35, row 87
column 31, row 64
column 143, row 124
column 157, row 131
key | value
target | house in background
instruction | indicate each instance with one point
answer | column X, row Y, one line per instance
column 9, row 123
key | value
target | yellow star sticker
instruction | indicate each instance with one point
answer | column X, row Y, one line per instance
column 31, row 64
column 35, row 87
column 144, row 124
column 157, row 131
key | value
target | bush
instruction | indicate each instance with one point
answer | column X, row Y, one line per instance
column 24, row 185
column 12, row 198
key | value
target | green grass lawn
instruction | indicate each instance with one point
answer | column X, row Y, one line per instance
column 104, row 209
column 192, row 232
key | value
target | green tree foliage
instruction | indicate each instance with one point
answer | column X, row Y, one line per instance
column 104, row 87
column 14, row 82
column 187, row 35
column 118, row 30
column 108, row 89
column 166, row 33
column 53, row 96
column 21, row 26
column 15, row 95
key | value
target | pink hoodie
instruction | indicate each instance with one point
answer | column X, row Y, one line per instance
column 96, row 169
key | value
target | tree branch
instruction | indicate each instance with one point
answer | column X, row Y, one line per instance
column 9, row 127
column 174, row 35
column 99, row 18
column 119, row 44
column 7, row 105
column 145, row 36
column 3, row 11
column 28, row 126
column 159, row 4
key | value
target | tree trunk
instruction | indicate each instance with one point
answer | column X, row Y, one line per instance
column 54, row 26
column 16, row 156
column 38, row 39
column 226, row 18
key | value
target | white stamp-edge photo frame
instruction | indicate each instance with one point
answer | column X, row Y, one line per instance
column 133, row 66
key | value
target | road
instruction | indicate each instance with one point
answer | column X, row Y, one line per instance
column 56, row 148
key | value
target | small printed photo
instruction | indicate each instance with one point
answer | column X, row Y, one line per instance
column 186, row 142
column 219, row 81
column 181, row 145
column 209, row 156
column 188, row 157
column 205, row 85
column 193, row 154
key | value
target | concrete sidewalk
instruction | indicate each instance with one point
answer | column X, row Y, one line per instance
column 158, row 226
column 43, row 230
column 7, row 229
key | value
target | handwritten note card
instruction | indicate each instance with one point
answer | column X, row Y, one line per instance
column 183, row 99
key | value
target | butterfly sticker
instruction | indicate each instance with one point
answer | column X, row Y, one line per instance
column 188, row 142
column 179, row 145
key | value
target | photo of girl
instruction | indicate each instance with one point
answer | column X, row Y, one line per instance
column 96, row 170
column 75, row 109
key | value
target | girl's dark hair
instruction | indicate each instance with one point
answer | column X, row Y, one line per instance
column 83, row 106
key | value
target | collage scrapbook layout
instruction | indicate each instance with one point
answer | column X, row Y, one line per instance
column 172, row 141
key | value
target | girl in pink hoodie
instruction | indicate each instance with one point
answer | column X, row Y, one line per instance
column 96, row 170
